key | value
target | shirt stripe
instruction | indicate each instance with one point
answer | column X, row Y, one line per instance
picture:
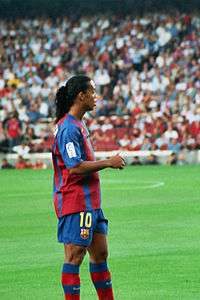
column 86, row 191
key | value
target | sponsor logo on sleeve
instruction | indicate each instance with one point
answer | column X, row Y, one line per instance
column 71, row 150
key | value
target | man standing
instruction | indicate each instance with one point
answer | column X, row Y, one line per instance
column 13, row 130
column 81, row 223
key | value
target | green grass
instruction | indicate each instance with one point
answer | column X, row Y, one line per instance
column 154, row 235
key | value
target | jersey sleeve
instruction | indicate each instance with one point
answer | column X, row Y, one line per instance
column 69, row 144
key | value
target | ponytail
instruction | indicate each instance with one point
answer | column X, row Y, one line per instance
column 66, row 95
column 62, row 102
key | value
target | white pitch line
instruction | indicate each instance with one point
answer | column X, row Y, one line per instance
column 158, row 184
column 136, row 187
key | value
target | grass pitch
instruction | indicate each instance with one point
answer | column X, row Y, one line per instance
column 154, row 235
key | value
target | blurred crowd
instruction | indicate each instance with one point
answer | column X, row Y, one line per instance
column 22, row 163
column 146, row 69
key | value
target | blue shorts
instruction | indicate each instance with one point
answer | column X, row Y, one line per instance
column 78, row 228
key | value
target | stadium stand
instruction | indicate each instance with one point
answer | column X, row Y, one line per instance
column 147, row 72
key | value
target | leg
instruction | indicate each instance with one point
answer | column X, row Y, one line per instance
column 70, row 275
column 74, row 254
column 74, row 250
column 98, row 251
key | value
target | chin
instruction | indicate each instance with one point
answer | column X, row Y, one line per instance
column 94, row 108
column 91, row 108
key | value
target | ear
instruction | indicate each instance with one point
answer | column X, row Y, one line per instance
column 81, row 96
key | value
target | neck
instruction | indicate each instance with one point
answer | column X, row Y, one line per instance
column 76, row 112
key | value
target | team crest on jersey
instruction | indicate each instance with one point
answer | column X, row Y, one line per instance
column 85, row 233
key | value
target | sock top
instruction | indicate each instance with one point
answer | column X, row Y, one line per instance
column 102, row 267
column 69, row 268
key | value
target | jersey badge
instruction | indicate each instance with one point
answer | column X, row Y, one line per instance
column 85, row 233
column 71, row 150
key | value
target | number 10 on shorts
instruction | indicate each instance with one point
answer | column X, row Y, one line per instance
column 85, row 219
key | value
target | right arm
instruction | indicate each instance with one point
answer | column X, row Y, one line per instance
column 115, row 162
column 70, row 148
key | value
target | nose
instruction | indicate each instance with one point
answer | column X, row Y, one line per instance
column 96, row 97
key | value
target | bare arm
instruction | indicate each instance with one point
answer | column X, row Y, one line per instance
column 85, row 167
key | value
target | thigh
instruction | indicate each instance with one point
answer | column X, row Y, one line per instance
column 98, row 249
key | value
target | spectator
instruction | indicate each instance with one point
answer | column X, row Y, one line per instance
column 174, row 146
column 101, row 77
column 6, row 165
column 146, row 145
column 181, row 159
column 152, row 160
column 3, row 140
column 21, row 163
column 22, row 150
column 124, row 142
column 170, row 133
column 39, row 165
column 172, row 159
column 107, row 125
column 13, row 131
column 136, row 161
column 33, row 114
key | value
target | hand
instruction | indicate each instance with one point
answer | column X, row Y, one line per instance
column 116, row 162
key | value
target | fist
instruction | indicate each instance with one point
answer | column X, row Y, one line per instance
column 117, row 162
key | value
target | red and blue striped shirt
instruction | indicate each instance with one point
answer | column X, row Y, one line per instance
column 73, row 193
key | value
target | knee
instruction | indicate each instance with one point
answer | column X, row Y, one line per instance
column 99, row 257
column 75, row 256
column 103, row 255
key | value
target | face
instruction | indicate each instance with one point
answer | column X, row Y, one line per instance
column 90, row 97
